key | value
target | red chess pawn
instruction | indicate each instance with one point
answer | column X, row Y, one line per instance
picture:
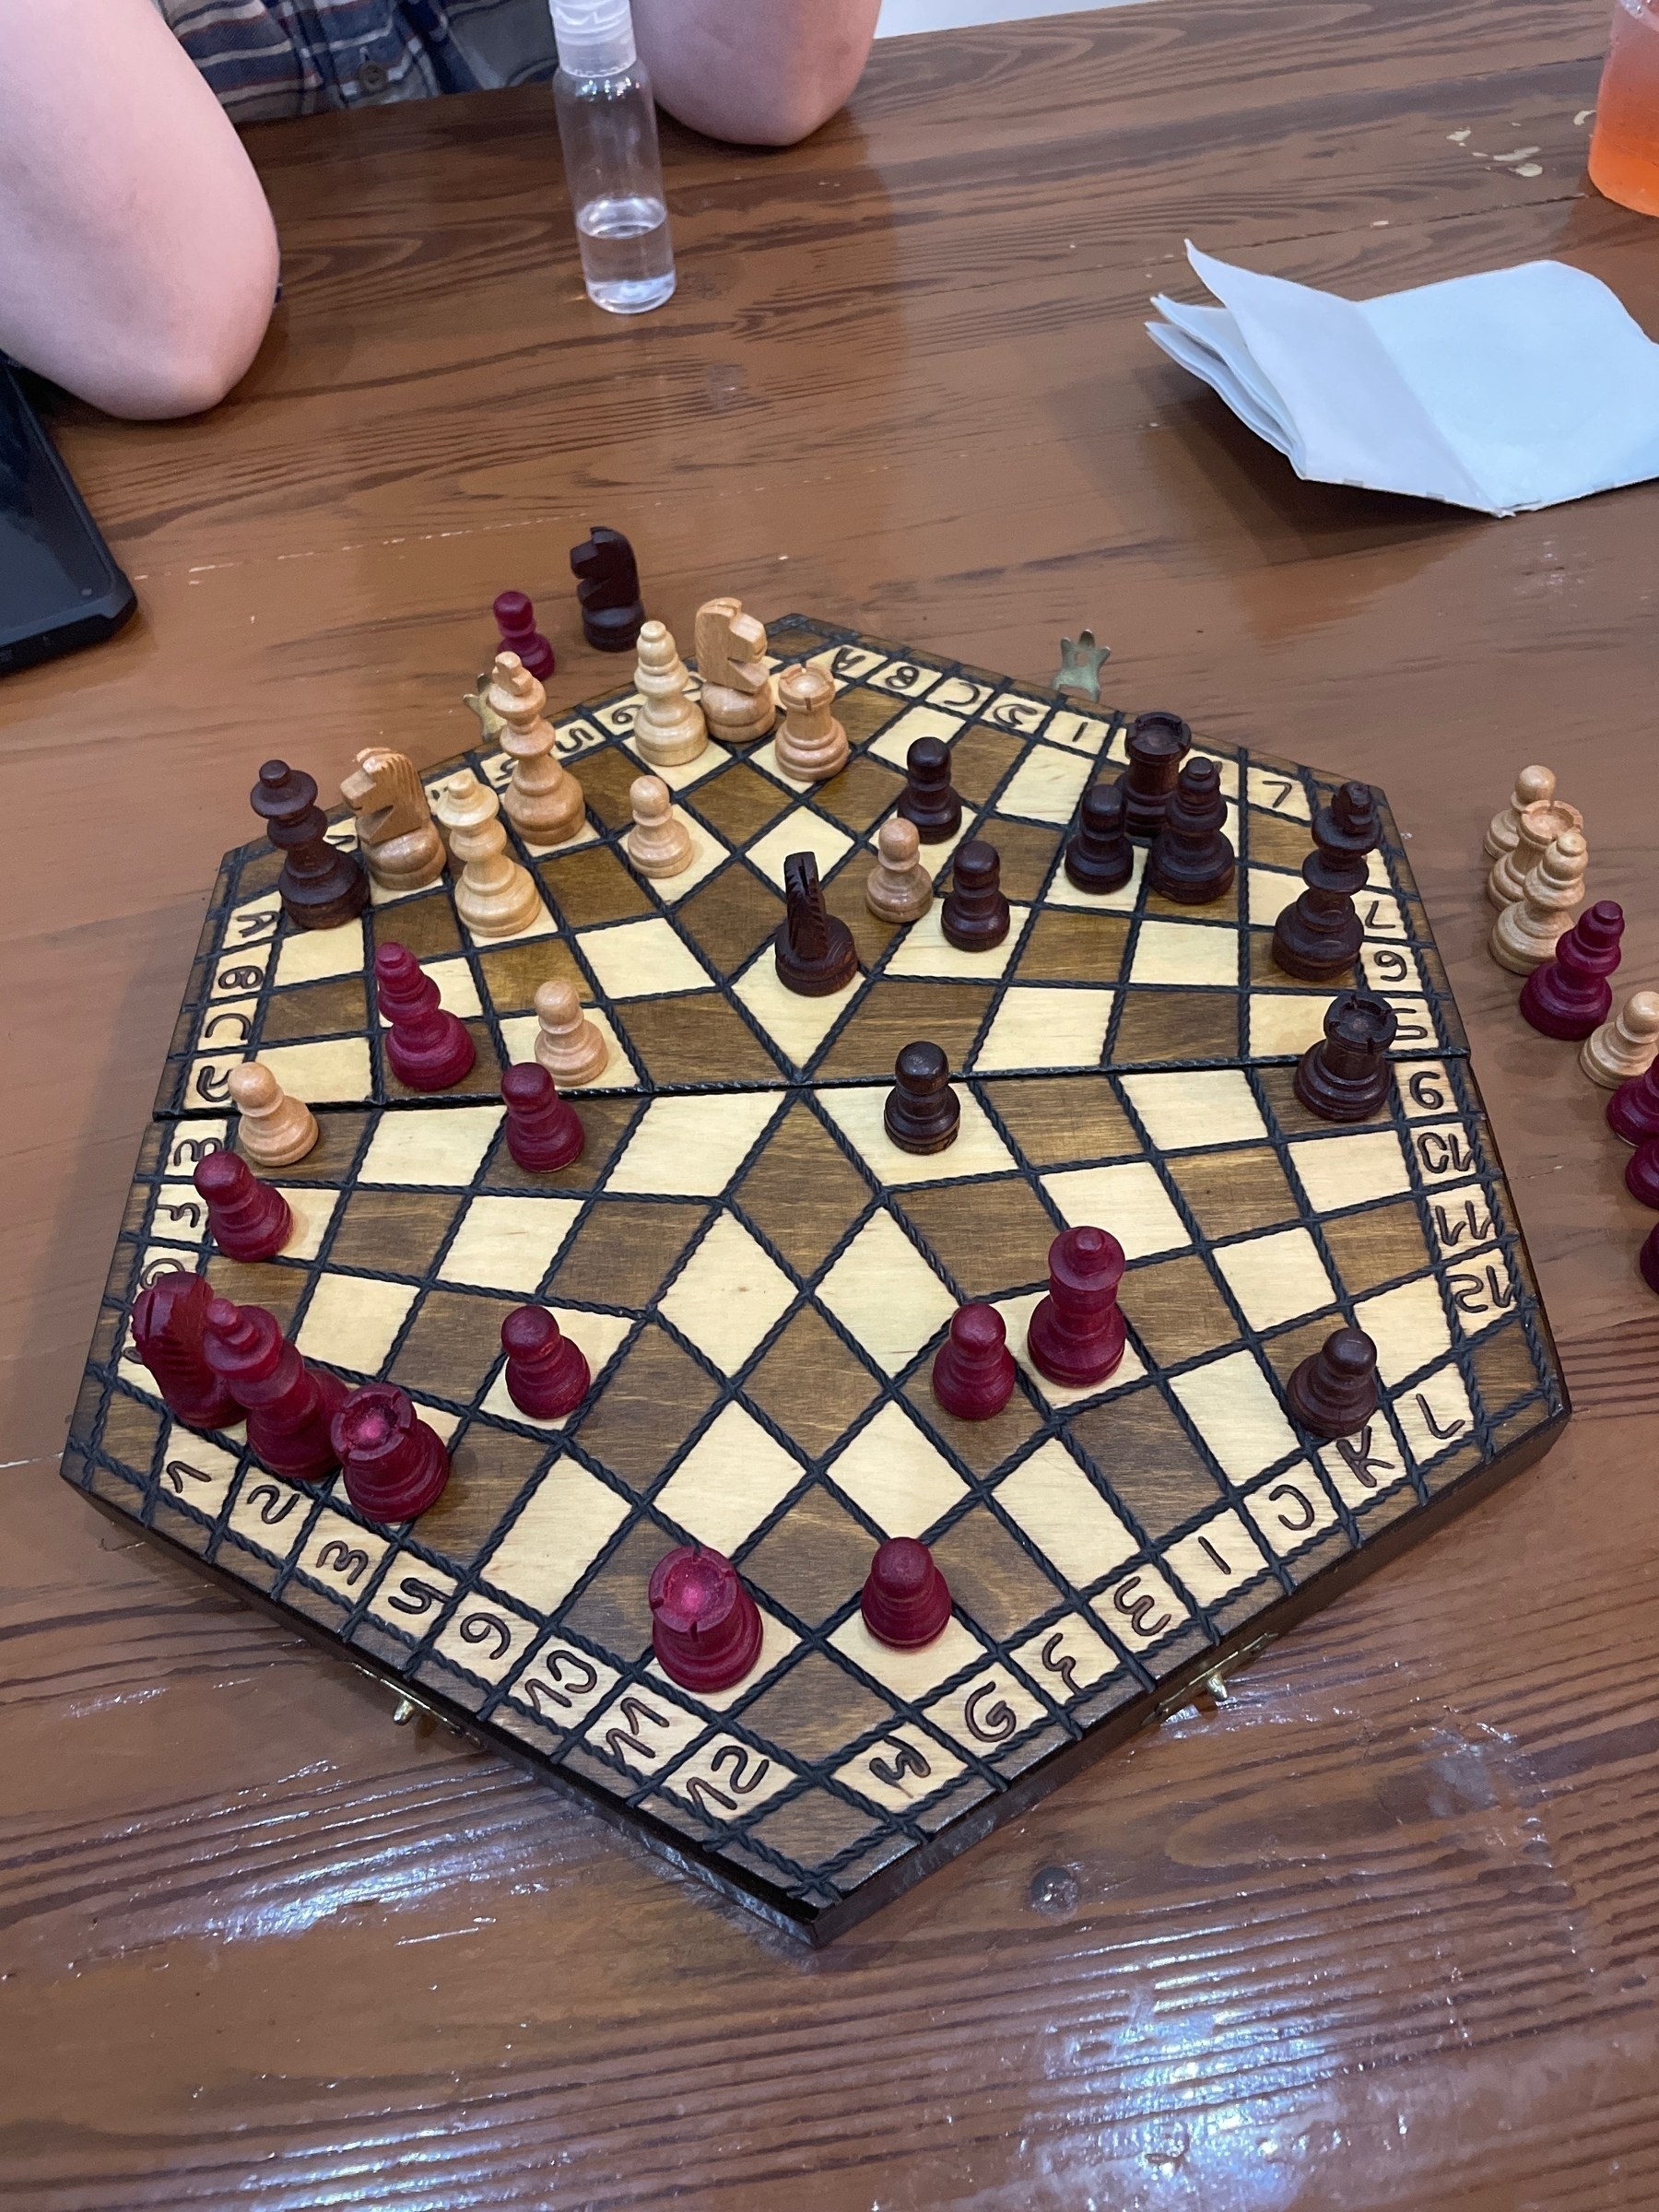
column 973, row 1370
column 1075, row 1336
column 705, row 1627
column 288, row 1404
column 1633, row 1110
column 544, row 1131
column 1647, row 1259
column 393, row 1463
column 1570, row 995
column 1642, row 1174
column 249, row 1220
column 905, row 1602
column 515, row 618
column 426, row 1047
column 547, row 1376
column 167, row 1320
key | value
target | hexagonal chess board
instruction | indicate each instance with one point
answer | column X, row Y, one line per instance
column 759, row 1280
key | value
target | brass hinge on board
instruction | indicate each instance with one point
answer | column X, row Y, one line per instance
column 1212, row 1684
column 406, row 1707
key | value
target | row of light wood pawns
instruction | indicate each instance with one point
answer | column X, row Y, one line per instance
column 1538, row 857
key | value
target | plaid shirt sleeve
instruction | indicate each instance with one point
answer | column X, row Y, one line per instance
column 269, row 58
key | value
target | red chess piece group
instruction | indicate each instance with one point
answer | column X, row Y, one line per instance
column 249, row 1220
column 705, row 1627
column 1570, row 995
column 426, row 1047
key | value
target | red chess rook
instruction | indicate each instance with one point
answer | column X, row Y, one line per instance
column 1077, row 1334
column 169, row 1320
column 973, row 1369
column 249, row 1220
column 426, row 1047
column 905, row 1600
column 1570, row 995
column 394, row 1464
column 705, row 1627
column 544, row 1131
column 290, row 1405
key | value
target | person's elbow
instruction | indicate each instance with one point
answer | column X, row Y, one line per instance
column 195, row 349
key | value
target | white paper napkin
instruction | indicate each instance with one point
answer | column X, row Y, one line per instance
column 1512, row 390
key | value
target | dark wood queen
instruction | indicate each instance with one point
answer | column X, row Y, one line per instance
column 760, row 1282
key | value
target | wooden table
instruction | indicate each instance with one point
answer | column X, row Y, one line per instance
column 1379, row 1932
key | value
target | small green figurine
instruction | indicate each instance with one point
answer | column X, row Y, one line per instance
column 1080, row 663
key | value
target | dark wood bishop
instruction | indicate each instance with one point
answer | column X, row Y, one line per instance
column 813, row 948
column 1318, row 937
column 1345, row 1077
column 1192, row 860
column 320, row 887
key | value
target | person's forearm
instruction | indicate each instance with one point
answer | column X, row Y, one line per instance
column 138, row 256
column 761, row 72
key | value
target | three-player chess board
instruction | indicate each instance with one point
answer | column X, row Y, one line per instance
column 760, row 1280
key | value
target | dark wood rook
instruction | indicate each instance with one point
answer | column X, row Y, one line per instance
column 1319, row 936
column 1156, row 744
column 1345, row 1076
column 320, row 886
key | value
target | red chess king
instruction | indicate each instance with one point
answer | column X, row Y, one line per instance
column 704, row 1625
column 1077, row 1335
column 426, row 1047
column 249, row 1220
column 515, row 618
column 394, row 1465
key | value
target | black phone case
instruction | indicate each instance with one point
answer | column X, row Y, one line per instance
column 105, row 600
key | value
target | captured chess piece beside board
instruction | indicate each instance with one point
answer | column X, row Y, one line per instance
column 806, row 1247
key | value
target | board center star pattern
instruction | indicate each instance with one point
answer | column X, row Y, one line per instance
column 759, row 1280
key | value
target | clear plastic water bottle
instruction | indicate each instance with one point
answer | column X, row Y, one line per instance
column 608, row 127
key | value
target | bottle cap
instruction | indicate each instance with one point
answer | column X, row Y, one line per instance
column 595, row 37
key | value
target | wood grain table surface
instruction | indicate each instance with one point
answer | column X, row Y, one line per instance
column 1382, row 1930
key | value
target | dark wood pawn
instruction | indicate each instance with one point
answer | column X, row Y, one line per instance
column 607, row 584
column 1192, row 860
column 1156, row 744
column 1100, row 856
column 1319, row 936
column 929, row 798
column 974, row 916
column 1333, row 1392
column 813, row 949
column 923, row 1114
column 1346, row 1078
column 320, row 886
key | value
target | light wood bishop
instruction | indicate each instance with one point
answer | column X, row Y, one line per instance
column 1536, row 828
column 1626, row 1047
column 568, row 1045
column 811, row 745
column 738, row 699
column 1532, row 786
column 670, row 729
column 899, row 888
column 274, row 1130
column 1525, row 934
column 543, row 801
column 493, row 895
column 400, row 847
column 658, row 844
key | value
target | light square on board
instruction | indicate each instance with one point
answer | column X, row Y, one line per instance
column 642, row 959
column 311, row 954
column 353, row 1320
column 440, row 1145
column 692, row 1148
column 507, row 1243
column 729, row 1481
column 923, row 950
column 1065, row 1658
column 555, row 1537
column 798, row 1026
column 1407, row 1325
column 1216, row 1559
column 1276, row 1275
column 802, row 831
column 1232, row 1404
column 976, row 1151
column 892, row 1473
column 1039, row 1028
column 1197, row 1106
column 1186, row 952
column 1126, row 1198
column 728, row 1296
column 335, row 1072
column 896, row 740
column 1350, row 1169
column 909, row 1675
column 595, row 1335
column 885, row 1295
column 1051, row 1497
column 1047, row 785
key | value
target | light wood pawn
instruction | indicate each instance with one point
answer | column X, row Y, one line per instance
column 543, row 799
column 670, row 729
column 274, row 1130
column 493, row 895
column 1525, row 934
column 658, row 844
column 568, row 1045
column 899, row 889
column 401, row 848
column 1624, row 1047
column 811, row 745
column 1532, row 786
column 738, row 703
column 1536, row 828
